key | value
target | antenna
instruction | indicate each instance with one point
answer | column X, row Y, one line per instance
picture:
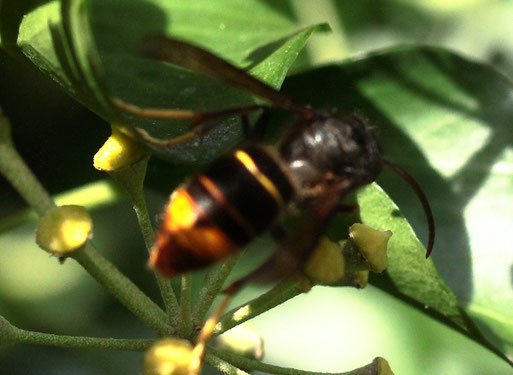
column 423, row 199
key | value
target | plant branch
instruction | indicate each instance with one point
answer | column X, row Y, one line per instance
column 39, row 338
column 122, row 288
column 131, row 178
column 223, row 366
column 185, row 325
column 234, row 362
column 281, row 292
column 19, row 175
column 212, row 284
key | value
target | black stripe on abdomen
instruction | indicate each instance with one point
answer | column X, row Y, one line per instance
column 215, row 213
column 269, row 167
column 244, row 192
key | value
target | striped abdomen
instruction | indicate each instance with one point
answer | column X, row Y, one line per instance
column 212, row 216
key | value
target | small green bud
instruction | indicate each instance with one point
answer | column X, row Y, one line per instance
column 326, row 264
column 244, row 340
column 355, row 279
column 361, row 279
column 64, row 229
column 372, row 245
column 168, row 357
column 383, row 366
column 119, row 151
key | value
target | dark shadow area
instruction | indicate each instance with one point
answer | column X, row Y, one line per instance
column 35, row 360
column 47, row 124
column 365, row 15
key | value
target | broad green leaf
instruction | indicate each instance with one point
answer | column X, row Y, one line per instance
column 447, row 121
column 408, row 268
column 91, row 48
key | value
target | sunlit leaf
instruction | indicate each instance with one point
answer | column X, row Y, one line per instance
column 447, row 121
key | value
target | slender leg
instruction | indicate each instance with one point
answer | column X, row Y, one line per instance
column 350, row 208
column 202, row 122
column 208, row 329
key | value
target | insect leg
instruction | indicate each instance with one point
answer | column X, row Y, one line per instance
column 349, row 208
column 201, row 121
column 208, row 329
column 178, row 114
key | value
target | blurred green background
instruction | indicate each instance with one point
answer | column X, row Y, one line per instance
column 325, row 330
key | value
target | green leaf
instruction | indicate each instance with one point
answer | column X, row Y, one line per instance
column 91, row 48
column 408, row 268
column 447, row 121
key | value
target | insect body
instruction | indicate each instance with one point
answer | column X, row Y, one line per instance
column 241, row 195
column 319, row 161
column 221, row 210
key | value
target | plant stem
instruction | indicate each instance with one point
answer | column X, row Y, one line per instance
column 222, row 365
column 233, row 363
column 131, row 179
column 38, row 338
column 185, row 327
column 281, row 292
column 122, row 288
column 212, row 284
column 14, row 169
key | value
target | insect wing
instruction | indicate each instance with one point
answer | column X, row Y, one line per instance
column 199, row 60
column 295, row 249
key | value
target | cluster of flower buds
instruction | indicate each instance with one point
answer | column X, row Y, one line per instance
column 349, row 262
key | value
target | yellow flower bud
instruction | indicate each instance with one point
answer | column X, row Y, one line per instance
column 244, row 340
column 168, row 357
column 119, row 151
column 372, row 245
column 64, row 229
column 326, row 263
